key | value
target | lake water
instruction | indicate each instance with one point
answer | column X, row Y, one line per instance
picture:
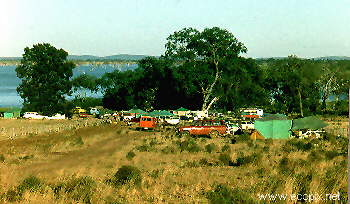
column 9, row 81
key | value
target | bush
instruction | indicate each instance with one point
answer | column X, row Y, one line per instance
column 31, row 183
column 244, row 160
column 331, row 154
column 286, row 167
column 81, row 188
column 169, row 150
column 297, row 145
column 189, row 145
column 130, row 155
column 2, row 158
column 225, row 159
column 223, row 194
column 226, row 148
column 210, row 147
column 315, row 156
column 127, row 174
column 243, row 137
column 77, row 141
column 269, row 141
column 156, row 173
column 145, row 148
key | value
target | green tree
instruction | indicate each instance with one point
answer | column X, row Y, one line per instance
column 45, row 74
column 209, row 48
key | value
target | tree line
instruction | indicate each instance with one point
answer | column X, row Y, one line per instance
column 200, row 70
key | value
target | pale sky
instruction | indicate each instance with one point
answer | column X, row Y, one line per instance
column 268, row 28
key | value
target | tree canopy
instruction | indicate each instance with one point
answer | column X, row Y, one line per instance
column 45, row 74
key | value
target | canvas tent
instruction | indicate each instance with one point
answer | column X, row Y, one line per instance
column 182, row 111
column 276, row 126
column 10, row 112
column 159, row 113
column 136, row 112
column 311, row 122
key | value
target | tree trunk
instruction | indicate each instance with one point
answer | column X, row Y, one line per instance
column 208, row 91
column 211, row 103
column 300, row 103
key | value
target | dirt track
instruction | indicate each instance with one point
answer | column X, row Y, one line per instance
column 55, row 155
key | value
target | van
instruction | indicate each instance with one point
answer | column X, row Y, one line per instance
column 147, row 122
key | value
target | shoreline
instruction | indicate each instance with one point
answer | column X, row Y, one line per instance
column 78, row 63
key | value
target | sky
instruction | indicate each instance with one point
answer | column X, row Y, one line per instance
column 268, row 28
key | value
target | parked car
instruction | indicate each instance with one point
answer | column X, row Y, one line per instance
column 94, row 111
column 57, row 117
column 232, row 128
column 147, row 122
column 172, row 120
column 33, row 115
column 213, row 128
column 247, row 125
column 79, row 110
column 311, row 134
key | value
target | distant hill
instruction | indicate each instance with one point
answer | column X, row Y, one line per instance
column 121, row 57
column 332, row 58
column 315, row 58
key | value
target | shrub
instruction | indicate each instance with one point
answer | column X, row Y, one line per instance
column 315, row 156
column 269, row 141
column 243, row 137
column 189, row 145
column 145, row 148
column 169, row 150
column 223, row 194
column 2, row 158
column 226, row 148
column 13, row 195
column 303, row 181
column 26, row 157
column 225, row 159
column 81, row 188
column 331, row 154
column 77, row 141
column 156, row 173
column 244, row 160
column 127, row 174
column 210, row 147
column 297, row 145
column 31, row 183
column 130, row 155
column 286, row 167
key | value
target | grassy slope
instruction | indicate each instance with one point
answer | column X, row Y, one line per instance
column 75, row 165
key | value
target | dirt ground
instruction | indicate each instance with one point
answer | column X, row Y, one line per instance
column 19, row 128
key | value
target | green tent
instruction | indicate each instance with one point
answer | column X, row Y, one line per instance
column 311, row 122
column 182, row 109
column 273, row 128
column 159, row 113
column 136, row 111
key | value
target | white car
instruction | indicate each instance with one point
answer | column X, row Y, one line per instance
column 232, row 128
column 247, row 125
column 312, row 133
column 172, row 120
column 57, row 117
column 33, row 115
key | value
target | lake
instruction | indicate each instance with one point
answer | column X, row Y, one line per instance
column 9, row 81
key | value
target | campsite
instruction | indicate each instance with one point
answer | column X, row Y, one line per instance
column 75, row 160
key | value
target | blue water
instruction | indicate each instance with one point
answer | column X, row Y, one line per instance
column 9, row 81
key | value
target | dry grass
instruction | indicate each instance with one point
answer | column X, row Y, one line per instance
column 77, row 165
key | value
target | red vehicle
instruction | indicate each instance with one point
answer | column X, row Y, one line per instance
column 213, row 128
column 147, row 122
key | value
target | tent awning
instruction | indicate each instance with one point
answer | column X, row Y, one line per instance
column 311, row 122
